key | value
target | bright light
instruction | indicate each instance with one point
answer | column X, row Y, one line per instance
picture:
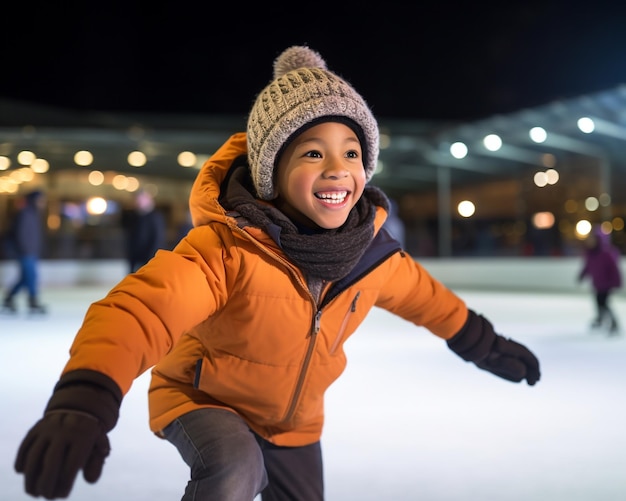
column 543, row 220
column 552, row 176
column 492, row 142
column 586, row 125
column 25, row 157
column 95, row 178
column 5, row 163
column 8, row 185
column 96, row 205
column 591, row 204
column 186, row 159
column 466, row 208
column 22, row 175
column 458, row 150
column 83, row 158
column 40, row 166
column 541, row 179
column 538, row 134
column 137, row 159
column 583, row 227
column 132, row 184
column 120, row 182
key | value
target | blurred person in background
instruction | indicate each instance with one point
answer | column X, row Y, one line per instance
column 26, row 239
column 601, row 265
column 145, row 231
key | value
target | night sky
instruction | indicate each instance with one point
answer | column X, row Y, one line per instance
column 448, row 60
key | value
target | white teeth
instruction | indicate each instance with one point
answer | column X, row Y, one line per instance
column 336, row 197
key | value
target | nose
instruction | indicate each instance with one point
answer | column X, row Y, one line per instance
column 334, row 169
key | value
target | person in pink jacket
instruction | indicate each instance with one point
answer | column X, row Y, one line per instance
column 244, row 322
column 601, row 265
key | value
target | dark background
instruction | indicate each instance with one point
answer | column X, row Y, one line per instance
column 439, row 60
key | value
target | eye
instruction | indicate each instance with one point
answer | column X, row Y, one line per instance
column 313, row 154
column 352, row 154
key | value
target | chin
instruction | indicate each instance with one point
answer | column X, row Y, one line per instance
column 332, row 225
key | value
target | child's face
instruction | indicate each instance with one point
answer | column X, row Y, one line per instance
column 321, row 176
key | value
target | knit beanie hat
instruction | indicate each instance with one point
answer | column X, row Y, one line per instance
column 303, row 92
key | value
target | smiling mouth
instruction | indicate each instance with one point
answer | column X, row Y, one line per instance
column 335, row 197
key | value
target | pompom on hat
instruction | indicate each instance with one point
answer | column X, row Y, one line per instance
column 303, row 91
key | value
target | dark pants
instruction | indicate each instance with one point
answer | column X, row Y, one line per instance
column 229, row 462
column 27, row 278
column 603, row 309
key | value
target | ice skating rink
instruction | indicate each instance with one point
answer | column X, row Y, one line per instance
column 408, row 420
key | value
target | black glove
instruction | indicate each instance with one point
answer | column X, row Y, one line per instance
column 478, row 343
column 72, row 435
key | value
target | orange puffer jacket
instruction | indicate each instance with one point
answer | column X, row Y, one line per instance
column 225, row 320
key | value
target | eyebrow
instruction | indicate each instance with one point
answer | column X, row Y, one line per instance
column 316, row 139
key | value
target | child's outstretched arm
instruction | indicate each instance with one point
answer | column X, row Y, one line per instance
column 123, row 335
column 477, row 342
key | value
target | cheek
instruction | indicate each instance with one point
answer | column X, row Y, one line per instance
column 359, row 182
column 296, row 186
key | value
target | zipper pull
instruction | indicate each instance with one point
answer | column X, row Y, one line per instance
column 353, row 305
column 316, row 322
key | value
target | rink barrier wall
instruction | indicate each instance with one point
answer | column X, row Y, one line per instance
column 558, row 274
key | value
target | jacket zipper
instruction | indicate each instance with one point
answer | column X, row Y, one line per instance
column 315, row 328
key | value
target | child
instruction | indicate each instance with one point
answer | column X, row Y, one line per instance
column 245, row 320
column 601, row 266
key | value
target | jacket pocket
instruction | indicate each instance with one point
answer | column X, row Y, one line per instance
column 344, row 324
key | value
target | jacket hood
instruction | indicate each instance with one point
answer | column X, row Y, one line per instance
column 205, row 191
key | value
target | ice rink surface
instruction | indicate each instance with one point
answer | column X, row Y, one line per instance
column 408, row 420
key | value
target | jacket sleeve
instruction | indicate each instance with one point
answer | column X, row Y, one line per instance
column 143, row 316
column 412, row 293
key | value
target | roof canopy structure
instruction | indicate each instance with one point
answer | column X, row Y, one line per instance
column 413, row 153
column 588, row 130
